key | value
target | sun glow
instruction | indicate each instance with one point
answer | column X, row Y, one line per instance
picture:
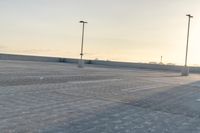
column 133, row 31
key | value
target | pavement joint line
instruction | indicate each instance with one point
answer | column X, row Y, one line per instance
column 144, row 88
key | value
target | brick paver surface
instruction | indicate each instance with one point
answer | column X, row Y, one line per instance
column 43, row 97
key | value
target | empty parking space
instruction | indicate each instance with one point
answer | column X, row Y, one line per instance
column 59, row 97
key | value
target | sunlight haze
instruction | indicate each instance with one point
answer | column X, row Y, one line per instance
column 119, row 30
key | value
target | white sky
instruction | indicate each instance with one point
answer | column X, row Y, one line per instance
column 123, row 30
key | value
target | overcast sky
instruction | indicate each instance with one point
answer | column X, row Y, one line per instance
column 122, row 30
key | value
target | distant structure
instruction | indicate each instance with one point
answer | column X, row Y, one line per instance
column 161, row 62
column 152, row 62
column 171, row 64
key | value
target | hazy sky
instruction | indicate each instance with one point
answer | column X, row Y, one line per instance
column 123, row 30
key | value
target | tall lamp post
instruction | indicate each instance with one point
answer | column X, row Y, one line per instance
column 81, row 62
column 185, row 71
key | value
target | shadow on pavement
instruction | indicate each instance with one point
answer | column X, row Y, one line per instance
column 176, row 110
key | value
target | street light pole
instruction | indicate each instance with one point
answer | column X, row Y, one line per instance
column 81, row 63
column 185, row 71
column 188, row 33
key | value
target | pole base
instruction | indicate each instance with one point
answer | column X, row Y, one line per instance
column 81, row 63
column 185, row 71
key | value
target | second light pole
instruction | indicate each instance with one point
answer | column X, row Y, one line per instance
column 185, row 71
column 81, row 62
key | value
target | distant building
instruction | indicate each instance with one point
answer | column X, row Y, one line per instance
column 171, row 64
column 153, row 62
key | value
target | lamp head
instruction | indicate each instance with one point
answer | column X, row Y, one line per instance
column 82, row 21
column 189, row 15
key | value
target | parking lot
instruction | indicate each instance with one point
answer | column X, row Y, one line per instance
column 49, row 97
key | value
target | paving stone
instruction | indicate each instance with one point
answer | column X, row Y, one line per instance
column 44, row 97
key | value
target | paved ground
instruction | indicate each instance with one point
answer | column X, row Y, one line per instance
column 61, row 98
